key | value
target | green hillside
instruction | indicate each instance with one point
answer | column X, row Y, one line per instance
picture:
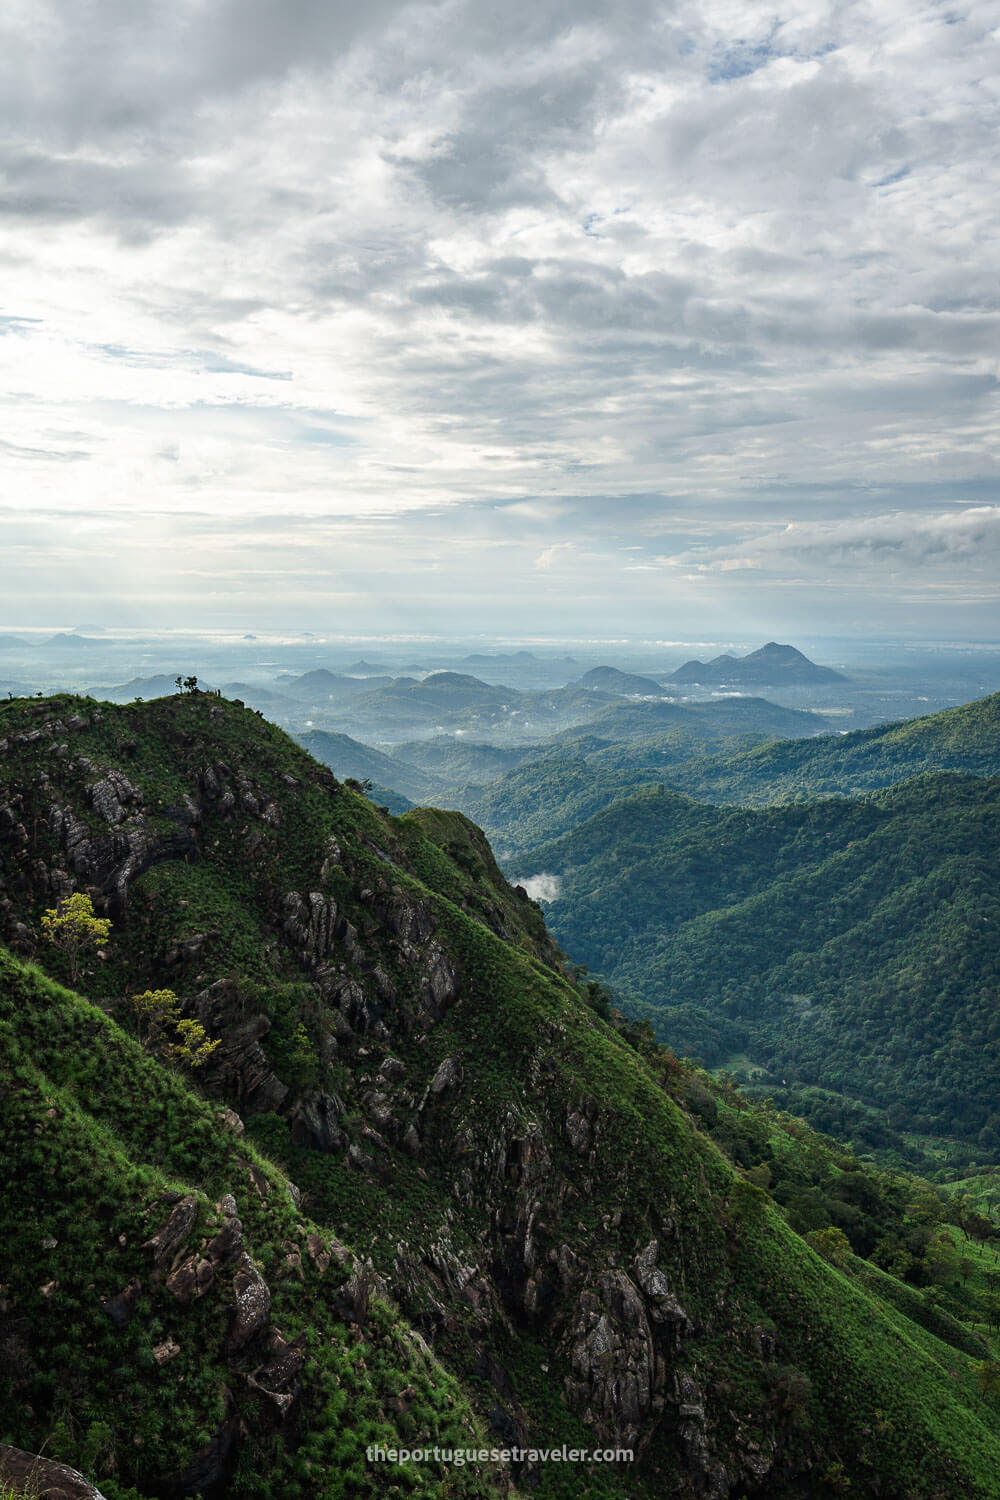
column 707, row 721
column 957, row 739
column 349, row 759
column 574, row 774
column 723, row 752
column 845, row 944
column 452, row 1204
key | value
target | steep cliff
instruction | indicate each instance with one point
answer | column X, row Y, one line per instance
column 481, row 1220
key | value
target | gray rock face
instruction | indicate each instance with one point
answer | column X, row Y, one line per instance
column 240, row 1067
column 315, row 1122
column 666, row 1307
column 616, row 1371
column 113, row 796
column 409, row 921
column 191, row 1280
column 175, row 1232
column 439, row 980
column 278, row 1380
column 318, row 930
column 252, row 1312
column 710, row 1476
column 29, row 1475
column 447, row 1076
column 110, row 861
column 620, row 1350
column 578, row 1132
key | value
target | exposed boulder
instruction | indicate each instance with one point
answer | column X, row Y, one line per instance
column 449, row 1074
column 40, row 1479
column 315, row 1122
column 241, row 1068
column 252, row 1311
column 191, row 1280
column 113, row 797
column 175, row 1232
column 617, row 1377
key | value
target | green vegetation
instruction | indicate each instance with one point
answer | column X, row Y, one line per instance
column 102, row 1140
column 74, row 928
column 844, row 945
column 957, row 739
column 722, row 752
column 161, row 1025
column 473, row 1197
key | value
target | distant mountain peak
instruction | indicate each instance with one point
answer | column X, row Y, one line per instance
column 628, row 684
column 772, row 665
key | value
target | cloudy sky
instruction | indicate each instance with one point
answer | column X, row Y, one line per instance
column 549, row 317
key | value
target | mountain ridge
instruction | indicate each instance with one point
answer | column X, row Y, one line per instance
column 771, row 665
column 495, row 1173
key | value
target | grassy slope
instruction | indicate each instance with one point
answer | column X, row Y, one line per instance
column 94, row 1132
column 878, row 1402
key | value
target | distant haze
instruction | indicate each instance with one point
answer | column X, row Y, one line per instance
column 528, row 319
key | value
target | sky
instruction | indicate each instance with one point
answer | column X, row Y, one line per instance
column 657, row 319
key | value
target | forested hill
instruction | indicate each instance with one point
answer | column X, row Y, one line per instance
column 421, row 1193
column 847, row 943
column 957, row 739
column 720, row 753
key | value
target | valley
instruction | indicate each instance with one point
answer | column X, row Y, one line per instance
column 432, row 1185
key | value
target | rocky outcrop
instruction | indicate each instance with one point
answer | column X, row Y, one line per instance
column 40, row 1479
column 314, row 1122
column 241, row 1069
column 278, row 1379
column 191, row 1280
column 316, row 928
column 252, row 1311
column 174, row 1234
column 617, row 1375
column 710, row 1477
column 114, row 797
column 109, row 862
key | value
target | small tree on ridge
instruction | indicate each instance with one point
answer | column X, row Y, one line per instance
column 73, row 927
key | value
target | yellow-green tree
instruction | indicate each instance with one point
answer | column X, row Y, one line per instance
column 161, row 1025
column 832, row 1243
column 74, row 927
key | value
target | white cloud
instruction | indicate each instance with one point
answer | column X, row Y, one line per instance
column 542, row 887
column 545, row 560
column 965, row 539
column 692, row 269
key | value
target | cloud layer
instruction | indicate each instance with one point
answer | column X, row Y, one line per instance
column 447, row 308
